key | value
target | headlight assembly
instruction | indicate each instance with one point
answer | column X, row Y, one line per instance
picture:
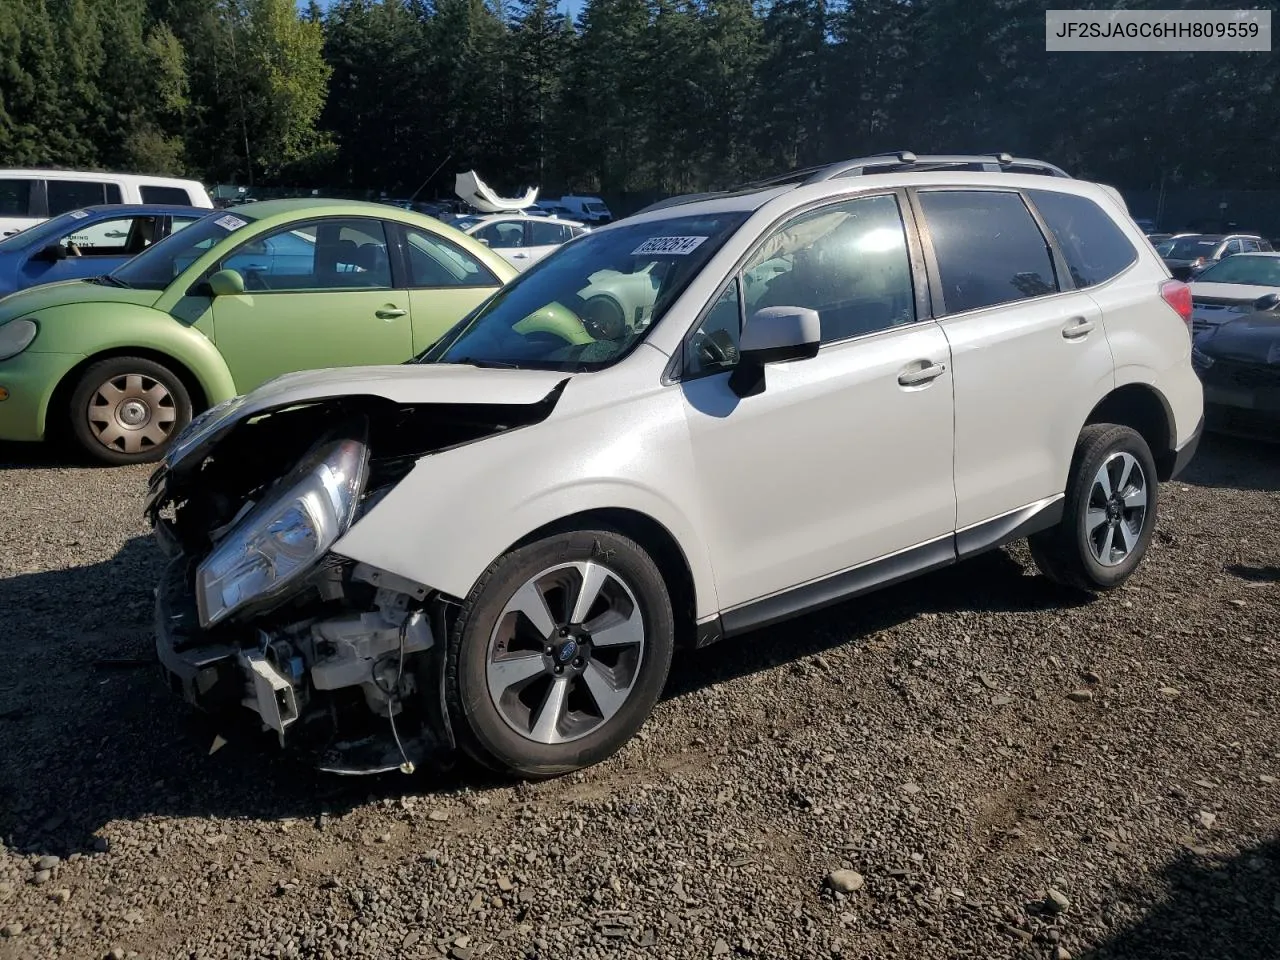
column 285, row 535
column 16, row 336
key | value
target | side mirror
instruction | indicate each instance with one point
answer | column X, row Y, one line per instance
column 483, row 240
column 774, row 335
column 53, row 253
column 1268, row 301
column 226, row 283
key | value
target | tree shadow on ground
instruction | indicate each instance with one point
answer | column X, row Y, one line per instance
column 1213, row 908
column 89, row 732
column 43, row 456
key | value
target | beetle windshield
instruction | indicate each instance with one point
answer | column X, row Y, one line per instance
column 584, row 306
column 157, row 266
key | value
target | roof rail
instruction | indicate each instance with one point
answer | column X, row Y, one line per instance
column 903, row 160
column 895, row 161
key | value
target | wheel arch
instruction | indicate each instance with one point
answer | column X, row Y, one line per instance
column 1143, row 408
column 61, row 396
column 656, row 540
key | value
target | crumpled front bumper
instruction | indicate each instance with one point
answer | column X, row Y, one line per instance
column 206, row 676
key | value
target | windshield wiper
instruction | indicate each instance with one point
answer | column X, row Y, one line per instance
column 477, row 362
column 107, row 280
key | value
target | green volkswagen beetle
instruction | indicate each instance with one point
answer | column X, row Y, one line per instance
column 121, row 362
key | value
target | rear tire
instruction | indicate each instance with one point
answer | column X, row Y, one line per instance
column 127, row 410
column 559, row 654
column 1109, row 515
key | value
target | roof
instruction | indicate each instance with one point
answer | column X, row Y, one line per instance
column 143, row 209
column 44, row 172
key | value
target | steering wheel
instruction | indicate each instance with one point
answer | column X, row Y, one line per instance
column 715, row 348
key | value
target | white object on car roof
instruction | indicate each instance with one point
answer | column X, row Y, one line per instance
column 476, row 192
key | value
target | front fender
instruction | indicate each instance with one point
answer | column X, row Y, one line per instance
column 89, row 330
column 459, row 510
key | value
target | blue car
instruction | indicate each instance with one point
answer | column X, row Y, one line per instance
column 87, row 242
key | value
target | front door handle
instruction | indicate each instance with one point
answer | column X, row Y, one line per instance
column 1076, row 328
column 921, row 374
column 390, row 313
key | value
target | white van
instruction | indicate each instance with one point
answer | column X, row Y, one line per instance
column 29, row 196
column 587, row 209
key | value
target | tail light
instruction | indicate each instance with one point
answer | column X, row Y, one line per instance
column 1178, row 295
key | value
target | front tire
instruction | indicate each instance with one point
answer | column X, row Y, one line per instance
column 559, row 654
column 127, row 410
column 1109, row 515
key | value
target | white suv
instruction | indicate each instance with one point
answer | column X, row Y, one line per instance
column 705, row 418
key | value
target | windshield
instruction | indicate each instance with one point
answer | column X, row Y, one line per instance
column 48, row 231
column 1188, row 248
column 1259, row 271
column 155, row 267
column 597, row 208
column 584, row 306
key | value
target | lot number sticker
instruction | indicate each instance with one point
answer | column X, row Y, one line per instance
column 669, row 246
column 78, row 214
column 230, row 222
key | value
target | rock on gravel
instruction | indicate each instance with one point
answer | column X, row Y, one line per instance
column 845, row 881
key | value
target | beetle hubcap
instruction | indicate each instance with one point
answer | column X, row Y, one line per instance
column 132, row 413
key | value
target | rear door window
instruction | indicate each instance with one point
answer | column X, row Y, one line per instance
column 173, row 195
column 67, row 195
column 1094, row 247
column 988, row 247
column 548, row 234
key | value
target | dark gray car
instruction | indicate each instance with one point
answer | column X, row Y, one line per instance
column 1239, row 364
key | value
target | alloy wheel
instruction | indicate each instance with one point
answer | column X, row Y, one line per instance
column 565, row 652
column 1117, row 509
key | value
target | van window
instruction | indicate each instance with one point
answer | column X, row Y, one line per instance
column 15, row 198
column 67, row 195
column 174, row 195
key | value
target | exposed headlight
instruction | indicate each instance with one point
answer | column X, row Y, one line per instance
column 285, row 535
column 16, row 336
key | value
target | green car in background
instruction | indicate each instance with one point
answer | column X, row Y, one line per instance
column 123, row 361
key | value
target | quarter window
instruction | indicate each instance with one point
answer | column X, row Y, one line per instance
column 339, row 254
column 67, row 195
column 713, row 347
column 847, row 261
column 988, row 247
column 1093, row 246
column 15, row 198
column 434, row 262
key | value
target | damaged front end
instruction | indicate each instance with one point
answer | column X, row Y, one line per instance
column 257, row 619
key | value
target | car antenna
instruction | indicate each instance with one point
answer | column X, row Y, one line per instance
column 431, row 177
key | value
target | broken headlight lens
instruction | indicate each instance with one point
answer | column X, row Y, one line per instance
column 285, row 535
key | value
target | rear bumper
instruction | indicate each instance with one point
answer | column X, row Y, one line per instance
column 1186, row 453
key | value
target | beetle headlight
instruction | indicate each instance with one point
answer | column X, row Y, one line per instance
column 285, row 535
column 16, row 336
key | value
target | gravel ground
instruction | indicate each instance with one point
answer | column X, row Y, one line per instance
column 999, row 771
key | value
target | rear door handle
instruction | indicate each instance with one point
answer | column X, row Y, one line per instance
column 390, row 313
column 1076, row 328
column 921, row 375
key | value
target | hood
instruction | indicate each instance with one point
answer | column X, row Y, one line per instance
column 26, row 302
column 408, row 385
column 1248, row 339
column 1234, row 292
